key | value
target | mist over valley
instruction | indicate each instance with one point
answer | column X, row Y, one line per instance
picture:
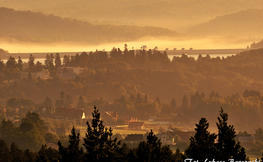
column 131, row 80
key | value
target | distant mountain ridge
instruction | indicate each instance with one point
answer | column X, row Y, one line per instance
column 162, row 13
column 37, row 27
column 248, row 22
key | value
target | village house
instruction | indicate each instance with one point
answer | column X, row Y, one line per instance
column 184, row 136
column 110, row 117
column 76, row 70
column 136, row 125
column 166, row 138
column 70, row 114
column 44, row 74
column 69, row 72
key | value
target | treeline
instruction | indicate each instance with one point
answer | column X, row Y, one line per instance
column 27, row 26
column 144, row 83
column 139, row 71
column 99, row 145
column 245, row 109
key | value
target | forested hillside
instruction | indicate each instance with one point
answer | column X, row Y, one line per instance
column 142, row 82
column 243, row 23
column 30, row 26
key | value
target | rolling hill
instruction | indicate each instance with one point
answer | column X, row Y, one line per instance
column 38, row 27
column 246, row 23
column 172, row 14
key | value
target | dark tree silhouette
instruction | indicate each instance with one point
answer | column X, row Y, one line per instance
column 227, row 147
column 98, row 143
column 73, row 152
column 202, row 144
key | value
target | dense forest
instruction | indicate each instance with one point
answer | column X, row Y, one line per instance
column 136, row 84
column 142, row 84
column 27, row 26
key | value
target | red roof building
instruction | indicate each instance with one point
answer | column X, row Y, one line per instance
column 136, row 125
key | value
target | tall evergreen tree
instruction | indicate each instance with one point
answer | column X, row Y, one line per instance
column 81, row 102
column 17, row 154
column 20, row 63
column 185, row 103
column 11, row 62
column 68, row 101
column 31, row 63
column 227, row 147
column 98, row 143
column 202, row 144
column 178, row 156
column 5, row 155
column 173, row 104
column 57, row 60
column 73, row 152
column 47, row 154
column 152, row 150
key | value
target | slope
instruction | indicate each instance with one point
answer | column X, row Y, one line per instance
column 248, row 22
column 37, row 27
column 163, row 13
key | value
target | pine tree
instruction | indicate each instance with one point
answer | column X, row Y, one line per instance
column 68, row 101
column 81, row 102
column 202, row 144
column 73, row 152
column 152, row 150
column 185, row 103
column 227, row 147
column 47, row 154
column 5, row 155
column 57, row 60
column 98, row 143
column 173, row 104
column 17, row 154
column 20, row 64
column 178, row 156
column 31, row 63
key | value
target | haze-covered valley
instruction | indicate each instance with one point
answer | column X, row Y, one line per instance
column 172, row 14
column 150, row 67
column 93, row 24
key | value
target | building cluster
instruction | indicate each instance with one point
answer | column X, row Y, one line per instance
column 62, row 72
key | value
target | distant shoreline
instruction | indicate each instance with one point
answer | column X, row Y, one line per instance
column 169, row 52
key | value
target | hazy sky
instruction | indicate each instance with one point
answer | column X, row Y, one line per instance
column 175, row 15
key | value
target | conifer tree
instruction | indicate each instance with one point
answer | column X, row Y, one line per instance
column 20, row 63
column 173, row 103
column 98, row 143
column 185, row 103
column 17, row 154
column 152, row 150
column 178, row 156
column 5, row 155
column 227, row 147
column 74, row 152
column 202, row 144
